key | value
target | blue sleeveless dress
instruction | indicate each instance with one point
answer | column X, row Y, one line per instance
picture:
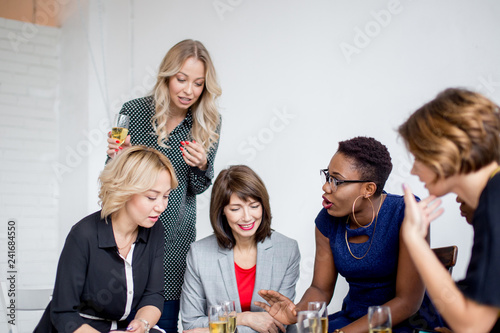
column 372, row 280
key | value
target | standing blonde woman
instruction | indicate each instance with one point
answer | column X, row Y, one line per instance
column 111, row 263
column 180, row 120
column 455, row 139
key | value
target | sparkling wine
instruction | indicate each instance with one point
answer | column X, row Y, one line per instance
column 119, row 133
column 231, row 323
column 218, row 327
column 324, row 325
column 381, row 330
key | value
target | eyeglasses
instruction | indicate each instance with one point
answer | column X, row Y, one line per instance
column 334, row 182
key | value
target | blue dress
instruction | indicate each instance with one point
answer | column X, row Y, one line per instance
column 372, row 280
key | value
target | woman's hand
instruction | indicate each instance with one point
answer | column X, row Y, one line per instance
column 114, row 148
column 260, row 322
column 136, row 326
column 194, row 154
column 419, row 215
column 280, row 307
column 197, row 330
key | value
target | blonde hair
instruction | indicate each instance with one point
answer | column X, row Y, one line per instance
column 456, row 133
column 206, row 118
column 134, row 171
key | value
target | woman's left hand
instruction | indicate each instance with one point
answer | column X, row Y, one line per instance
column 134, row 326
column 419, row 215
column 197, row 330
column 194, row 154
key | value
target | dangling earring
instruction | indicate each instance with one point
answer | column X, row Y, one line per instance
column 354, row 215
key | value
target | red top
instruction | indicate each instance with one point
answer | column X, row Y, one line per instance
column 245, row 279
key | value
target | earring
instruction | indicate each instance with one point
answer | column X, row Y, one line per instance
column 354, row 215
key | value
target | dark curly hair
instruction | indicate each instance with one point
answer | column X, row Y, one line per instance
column 370, row 157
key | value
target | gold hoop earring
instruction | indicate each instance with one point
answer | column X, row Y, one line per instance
column 354, row 215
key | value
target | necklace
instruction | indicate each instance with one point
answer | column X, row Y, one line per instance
column 132, row 239
column 371, row 240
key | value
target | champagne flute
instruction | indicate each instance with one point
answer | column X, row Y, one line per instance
column 379, row 319
column 217, row 322
column 308, row 322
column 322, row 313
column 119, row 131
column 230, row 312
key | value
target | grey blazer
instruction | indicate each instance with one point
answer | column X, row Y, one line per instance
column 210, row 276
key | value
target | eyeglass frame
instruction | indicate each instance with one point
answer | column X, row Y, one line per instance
column 337, row 182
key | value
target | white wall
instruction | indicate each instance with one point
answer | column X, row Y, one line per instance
column 297, row 77
column 29, row 83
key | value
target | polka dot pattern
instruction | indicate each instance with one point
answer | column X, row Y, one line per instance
column 179, row 219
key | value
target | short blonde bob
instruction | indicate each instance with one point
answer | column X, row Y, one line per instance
column 456, row 133
column 134, row 171
column 206, row 117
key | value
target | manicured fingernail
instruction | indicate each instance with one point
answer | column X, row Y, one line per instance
column 117, row 141
column 404, row 186
column 182, row 143
column 194, row 141
column 129, row 328
column 182, row 154
column 116, row 150
column 109, row 133
column 187, row 142
column 120, row 147
column 182, row 149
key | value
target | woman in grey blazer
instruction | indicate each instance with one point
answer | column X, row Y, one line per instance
column 242, row 257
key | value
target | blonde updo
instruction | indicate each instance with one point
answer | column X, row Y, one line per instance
column 134, row 171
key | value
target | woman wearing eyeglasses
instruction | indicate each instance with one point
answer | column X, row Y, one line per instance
column 358, row 237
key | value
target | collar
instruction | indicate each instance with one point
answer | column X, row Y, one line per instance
column 106, row 237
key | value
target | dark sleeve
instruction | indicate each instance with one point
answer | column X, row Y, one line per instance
column 199, row 180
column 153, row 295
column 481, row 281
column 70, row 280
column 323, row 223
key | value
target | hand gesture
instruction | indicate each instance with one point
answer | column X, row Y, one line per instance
column 114, row 147
column 419, row 215
column 280, row 307
column 194, row 154
column 261, row 322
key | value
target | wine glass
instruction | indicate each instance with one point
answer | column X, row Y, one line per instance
column 217, row 321
column 379, row 319
column 119, row 131
column 230, row 312
column 322, row 313
column 308, row 322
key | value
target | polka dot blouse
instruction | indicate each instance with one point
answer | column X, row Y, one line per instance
column 179, row 219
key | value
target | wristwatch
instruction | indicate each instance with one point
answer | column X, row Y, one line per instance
column 146, row 324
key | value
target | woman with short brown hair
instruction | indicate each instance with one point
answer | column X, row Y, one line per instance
column 243, row 256
column 455, row 139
